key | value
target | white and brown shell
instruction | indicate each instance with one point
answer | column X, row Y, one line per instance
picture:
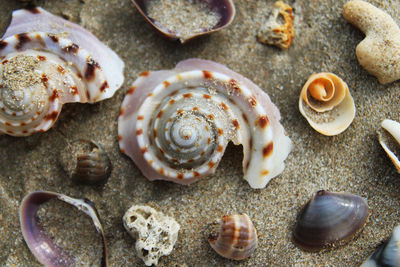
column 47, row 61
column 236, row 237
column 326, row 103
column 390, row 142
column 175, row 124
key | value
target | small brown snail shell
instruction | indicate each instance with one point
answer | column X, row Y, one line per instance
column 86, row 162
column 236, row 238
column 329, row 220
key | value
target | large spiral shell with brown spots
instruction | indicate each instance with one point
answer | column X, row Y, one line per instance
column 175, row 124
column 46, row 62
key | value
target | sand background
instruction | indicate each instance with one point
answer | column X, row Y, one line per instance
column 352, row 161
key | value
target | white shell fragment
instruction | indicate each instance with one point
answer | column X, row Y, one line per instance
column 393, row 128
column 175, row 124
column 47, row 61
column 155, row 233
column 326, row 103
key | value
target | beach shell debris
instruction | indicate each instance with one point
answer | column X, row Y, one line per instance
column 40, row 244
column 387, row 254
column 184, row 20
column 155, row 233
column 47, row 61
column 235, row 237
column 326, row 103
column 274, row 32
column 390, row 142
column 175, row 124
column 329, row 220
column 379, row 52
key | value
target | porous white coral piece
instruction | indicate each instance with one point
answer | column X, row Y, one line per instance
column 155, row 233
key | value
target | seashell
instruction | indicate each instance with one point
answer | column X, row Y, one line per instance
column 184, row 20
column 42, row 246
column 276, row 33
column 391, row 145
column 175, row 124
column 387, row 254
column 236, row 237
column 86, row 162
column 47, row 61
column 329, row 220
column 326, row 103
column 155, row 233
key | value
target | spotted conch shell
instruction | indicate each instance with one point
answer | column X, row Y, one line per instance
column 326, row 103
column 47, row 61
column 391, row 144
column 175, row 124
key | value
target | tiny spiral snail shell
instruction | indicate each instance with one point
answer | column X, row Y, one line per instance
column 326, row 103
column 47, row 61
column 86, row 162
column 175, row 124
column 236, row 238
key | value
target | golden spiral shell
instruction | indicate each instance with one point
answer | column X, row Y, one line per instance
column 326, row 103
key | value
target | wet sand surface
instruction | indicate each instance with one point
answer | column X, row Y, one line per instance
column 352, row 161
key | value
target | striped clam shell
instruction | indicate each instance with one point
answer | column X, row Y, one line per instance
column 40, row 71
column 175, row 124
column 236, row 238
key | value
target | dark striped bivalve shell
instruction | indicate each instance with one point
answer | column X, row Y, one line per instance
column 235, row 238
column 329, row 220
column 86, row 162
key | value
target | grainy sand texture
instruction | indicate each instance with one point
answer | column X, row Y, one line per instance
column 352, row 161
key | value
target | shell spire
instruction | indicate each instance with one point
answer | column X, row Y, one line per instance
column 175, row 124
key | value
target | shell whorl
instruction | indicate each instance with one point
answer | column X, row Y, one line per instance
column 183, row 124
column 236, row 238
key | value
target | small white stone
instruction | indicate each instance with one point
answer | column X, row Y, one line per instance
column 155, row 233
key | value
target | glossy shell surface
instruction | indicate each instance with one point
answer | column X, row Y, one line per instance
column 40, row 244
column 175, row 124
column 225, row 9
column 329, row 220
column 236, row 237
column 390, row 142
column 387, row 254
column 43, row 67
column 326, row 103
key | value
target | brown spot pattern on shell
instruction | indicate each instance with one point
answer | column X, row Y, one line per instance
column 329, row 220
column 326, row 103
column 236, row 237
column 224, row 9
column 86, row 162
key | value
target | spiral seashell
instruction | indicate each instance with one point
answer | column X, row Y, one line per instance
column 86, row 162
column 326, row 103
column 329, row 220
column 175, row 124
column 40, row 244
column 387, row 254
column 236, row 237
column 47, row 61
column 390, row 142
column 177, row 21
